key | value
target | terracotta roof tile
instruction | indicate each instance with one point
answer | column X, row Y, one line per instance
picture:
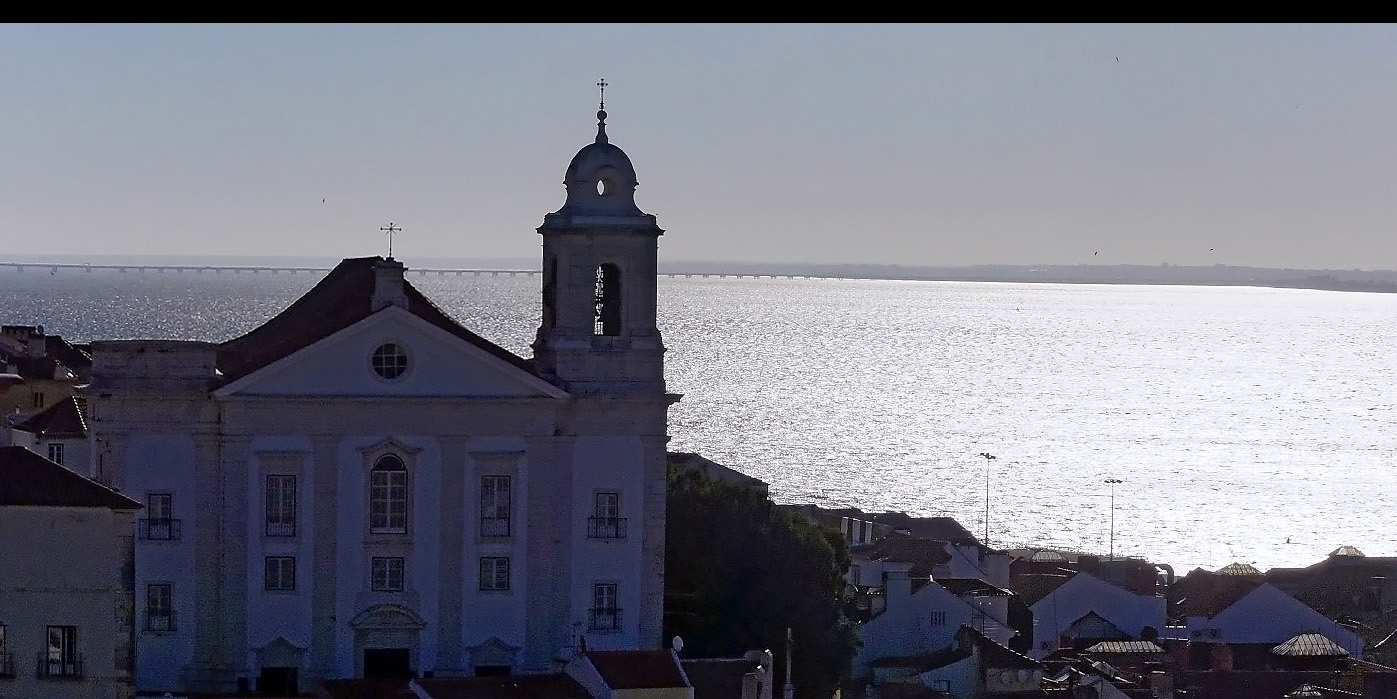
column 923, row 554
column 66, row 418
column 637, row 669
column 32, row 480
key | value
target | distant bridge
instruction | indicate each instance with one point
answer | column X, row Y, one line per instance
column 54, row 267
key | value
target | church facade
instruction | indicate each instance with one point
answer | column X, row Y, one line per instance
column 362, row 487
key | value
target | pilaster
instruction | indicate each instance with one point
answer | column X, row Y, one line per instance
column 451, row 565
column 323, row 622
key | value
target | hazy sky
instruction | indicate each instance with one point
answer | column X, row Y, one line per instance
column 1271, row 145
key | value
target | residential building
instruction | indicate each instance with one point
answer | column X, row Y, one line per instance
column 361, row 487
column 59, row 433
column 48, row 368
column 1079, row 610
column 66, row 594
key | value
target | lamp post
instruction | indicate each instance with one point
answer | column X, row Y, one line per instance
column 988, row 457
column 1112, row 482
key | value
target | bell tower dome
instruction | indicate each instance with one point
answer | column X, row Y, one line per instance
column 598, row 335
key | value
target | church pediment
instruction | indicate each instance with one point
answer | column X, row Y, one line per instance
column 280, row 652
column 493, row 652
column 387, row 617
column 392, row 353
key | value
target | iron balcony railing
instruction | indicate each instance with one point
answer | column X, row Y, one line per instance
column 606, row 527
column 281, row 528
column 7, row 664
column 66, row 668
column 158, row 529
column 160, row 622
column 494, row 526
column 601, row 619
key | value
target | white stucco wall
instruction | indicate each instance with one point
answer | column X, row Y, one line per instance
column 1268, row 615
column 81, row 588
column 1084, row 594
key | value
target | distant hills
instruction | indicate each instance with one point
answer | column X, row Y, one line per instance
column 1209, row 275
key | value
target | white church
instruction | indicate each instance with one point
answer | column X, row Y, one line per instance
column 362, row 487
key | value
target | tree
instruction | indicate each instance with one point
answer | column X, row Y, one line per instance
column 739, row 571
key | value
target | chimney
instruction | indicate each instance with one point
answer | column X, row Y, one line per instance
column 35, row 344
column 897, row 586
column 388, row 285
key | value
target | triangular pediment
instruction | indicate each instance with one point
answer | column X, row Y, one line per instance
column 493, row 652
column 392, row 353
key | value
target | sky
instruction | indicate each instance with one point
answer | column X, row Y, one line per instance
column 1258, row 145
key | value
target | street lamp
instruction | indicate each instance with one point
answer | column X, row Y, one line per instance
column 988, row 457
column 1113, row 482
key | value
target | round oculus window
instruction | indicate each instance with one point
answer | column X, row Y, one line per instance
column 389, row 360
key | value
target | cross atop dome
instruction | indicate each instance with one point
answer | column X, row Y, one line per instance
column 601, row 113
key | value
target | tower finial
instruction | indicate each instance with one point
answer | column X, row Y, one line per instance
column 601, row 113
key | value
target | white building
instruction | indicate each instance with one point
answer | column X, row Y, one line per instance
column 65, row 588
column 362, row 487
column 1090, row 607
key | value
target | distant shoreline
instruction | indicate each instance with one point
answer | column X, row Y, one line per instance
column 1376, row 281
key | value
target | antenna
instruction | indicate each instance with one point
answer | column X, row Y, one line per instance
column 789, row 691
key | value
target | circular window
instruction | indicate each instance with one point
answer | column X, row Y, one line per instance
column 389, row 360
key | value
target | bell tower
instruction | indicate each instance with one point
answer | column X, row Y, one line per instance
column 598, row 335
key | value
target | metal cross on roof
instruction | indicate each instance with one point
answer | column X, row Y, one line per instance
column 602, row 84
column 390, row 229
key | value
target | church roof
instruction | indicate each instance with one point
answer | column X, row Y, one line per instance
column 32, row 480
column 344, row 297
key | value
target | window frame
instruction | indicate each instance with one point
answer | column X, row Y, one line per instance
column 390, row 361
column 493, row 524
column 56, row 448
column 383, row 497
column 63, row 659
column 604, row 616
column 280, row 580
column 279, row 517
column 160, row 608
column 383, row 577
column 494, row 574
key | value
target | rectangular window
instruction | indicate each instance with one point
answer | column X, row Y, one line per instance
column 494, row 573
column 160, row 524
column 61, row 658
column 281, row 505
column 7, row 661
column 56, row 452
column 387, row 574
column 606, row 521
column 160, row 610
column 280, row 574
column 38, row 400
column 388, row 498
column 494, row 505
column 605, row 614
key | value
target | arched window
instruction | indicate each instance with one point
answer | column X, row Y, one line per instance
column 388, row 496
column 607, row 318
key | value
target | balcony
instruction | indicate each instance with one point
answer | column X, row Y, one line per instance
column 603, row 619
column 281, row 528
column 494, row 526
column 160, row 622
column 158, row 529
column 59, row 669
column 606, row 527
column 7, row 664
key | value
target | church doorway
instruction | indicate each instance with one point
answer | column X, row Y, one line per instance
column 387, row 663
column 278, row 681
